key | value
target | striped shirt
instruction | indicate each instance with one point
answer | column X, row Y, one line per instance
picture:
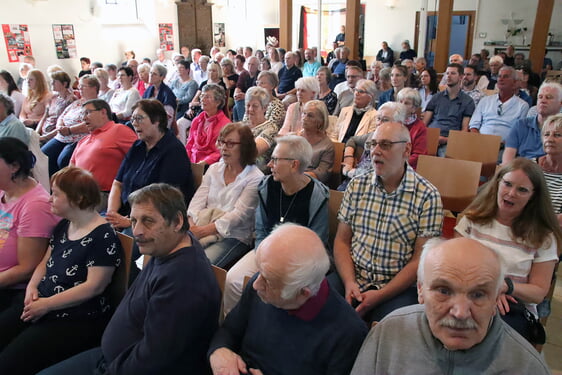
column 554, row 183
column 385, row 225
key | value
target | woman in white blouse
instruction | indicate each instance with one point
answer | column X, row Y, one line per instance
column 124, row 98
column 222, row 211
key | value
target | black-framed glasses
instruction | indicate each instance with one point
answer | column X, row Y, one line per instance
column 137, row 118
column 359, row 91
column 500, row 109
column 276, row 160
column 384, row 144
column 227, row 144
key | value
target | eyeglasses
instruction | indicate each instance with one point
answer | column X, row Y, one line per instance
column 359, row 91
column 520, row 190
column 87, row 112
column 384, row 145
column 276, row 160
column 227, row 144
column 500, row 109
column 137, row 118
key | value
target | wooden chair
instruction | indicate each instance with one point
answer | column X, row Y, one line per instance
column 220, row 275
column 197, row 170
column 333, row 207
column 432, row 140
column 456, row 180
column 483, row 148
column 120, row 282
column 335, row 175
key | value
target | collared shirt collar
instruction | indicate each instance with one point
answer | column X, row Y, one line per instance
column 407, row 183
column 313, row 305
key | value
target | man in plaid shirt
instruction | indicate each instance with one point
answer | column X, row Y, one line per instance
column 385, row 218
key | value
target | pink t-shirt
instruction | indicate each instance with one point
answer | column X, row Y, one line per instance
column 29, row 216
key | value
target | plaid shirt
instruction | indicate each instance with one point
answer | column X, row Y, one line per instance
column 386, row 225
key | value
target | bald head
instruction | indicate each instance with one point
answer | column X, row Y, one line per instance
column 462, row 256
column 294, row 256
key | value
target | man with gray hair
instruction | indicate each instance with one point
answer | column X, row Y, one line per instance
column 289, row 320
column 496, row 114
column 456, row 328
column 10, row 125
column 524, row 138
column 385, row 217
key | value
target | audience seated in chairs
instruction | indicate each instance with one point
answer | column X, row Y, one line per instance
column 222, row 211
column 37, row 99
column 314, row 125
column 307, row 88
column 65, row 303
column 287, row 195
column 71, row 127
column 513, row 215
column 125, row 97
column 150, row 331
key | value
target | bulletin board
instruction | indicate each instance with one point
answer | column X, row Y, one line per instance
column 166, row 32
column 17, row 41
column 65, row 41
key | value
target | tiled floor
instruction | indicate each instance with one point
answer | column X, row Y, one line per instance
column 553, row 348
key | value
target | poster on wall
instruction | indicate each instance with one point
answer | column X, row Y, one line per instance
column 65, row 43
column 17, row 41
column 219, row 35
column 166, row 36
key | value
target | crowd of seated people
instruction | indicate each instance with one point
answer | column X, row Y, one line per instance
column 264, row 127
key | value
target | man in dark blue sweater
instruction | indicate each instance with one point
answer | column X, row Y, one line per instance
column 167, row 318
column 288, row 320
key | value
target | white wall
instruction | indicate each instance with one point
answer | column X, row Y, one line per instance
column 101, row 42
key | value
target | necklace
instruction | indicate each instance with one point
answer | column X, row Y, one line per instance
column 282, row 219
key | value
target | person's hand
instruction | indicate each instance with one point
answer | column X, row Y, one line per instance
column 28, row 122
column 281, row 96
column 503, row 303
column 239, row 95
column 225, row 362
column 255, row 371
column 31, row 294
column 442, row 140
column 64, row 130
column 196, row 231
column 352, row 292
column 116, row 220
column 35, row 310
column 371, row 298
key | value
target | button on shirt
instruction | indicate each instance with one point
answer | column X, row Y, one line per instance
column 385, row 225
column 448, row 114
column 525, row 136
column 489, row 119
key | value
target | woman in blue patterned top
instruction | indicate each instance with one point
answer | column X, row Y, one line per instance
column 65, row 308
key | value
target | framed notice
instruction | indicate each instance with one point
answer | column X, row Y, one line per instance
column 17, row 40
column 65, row 42
column 166, row 32
column 219, row 35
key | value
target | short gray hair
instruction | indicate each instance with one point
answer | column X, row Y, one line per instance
column 411, row 94
column 370, row 87
column 553, row 85
column 271, row 76
column 435, row 242
column 511, row 71
column 219, row 94
column 307, row 272
column 308, row 83
column 554, row 120
column 299, row 149
column 143, row 67
column 398, row 110
column 496, row 59
column 162, row 71
column 320, row 107
column 258, row 93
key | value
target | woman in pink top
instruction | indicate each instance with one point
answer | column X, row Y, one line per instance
column 26, row 221
column 205, row 128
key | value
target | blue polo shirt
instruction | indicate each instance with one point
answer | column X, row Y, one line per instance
column 287, row 78
column 525, row 136
column 448, row 114
column 166, row 162
column 309, row 70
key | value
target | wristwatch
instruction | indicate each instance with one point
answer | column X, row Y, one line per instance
column 509, row 283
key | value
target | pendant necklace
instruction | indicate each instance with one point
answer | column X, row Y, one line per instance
column 282, row 219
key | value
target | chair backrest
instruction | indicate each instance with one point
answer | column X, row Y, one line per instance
column 333, row 207
column 432, row 140
column 197, row 170
column 41, row 169
column 120, row 281
column 483, row 148
column 335, row 175
column 456, row 180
